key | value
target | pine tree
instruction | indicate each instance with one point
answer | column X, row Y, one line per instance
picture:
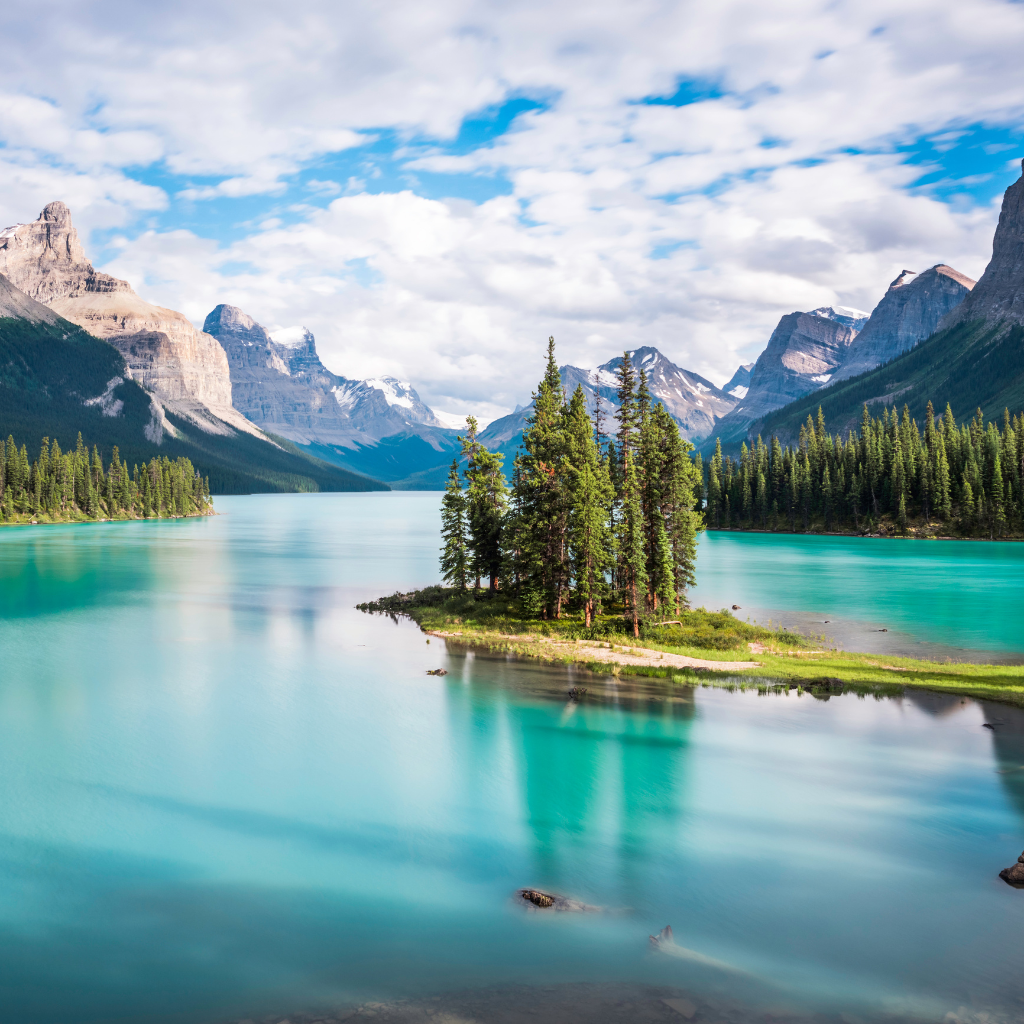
column 590, row 541
column 454, row 553
column 633, row 556
column 485, row 506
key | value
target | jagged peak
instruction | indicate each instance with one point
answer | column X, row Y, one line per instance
column 228, row 318
column 58, row 213
column 947, row 271
column 901, row 280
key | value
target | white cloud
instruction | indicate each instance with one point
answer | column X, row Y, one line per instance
column 785, row 191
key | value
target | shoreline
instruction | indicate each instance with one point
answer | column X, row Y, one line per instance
column 866, row 536
column 126, row 519
column 813, row 670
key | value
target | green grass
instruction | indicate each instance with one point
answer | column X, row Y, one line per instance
column 788, row 659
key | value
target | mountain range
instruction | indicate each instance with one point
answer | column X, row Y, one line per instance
column 974, row 359
column 258, row 410
column 80, row 351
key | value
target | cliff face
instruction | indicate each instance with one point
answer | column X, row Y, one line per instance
column 184, row 368
column 999, row 295
column 279, row 382
column 16, row 305
column 908, row 313
column 803, row 352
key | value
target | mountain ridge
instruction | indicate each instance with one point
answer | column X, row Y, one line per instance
column 974, row 360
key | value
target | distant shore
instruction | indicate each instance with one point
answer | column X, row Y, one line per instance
column 910, row 535
column 27, row 520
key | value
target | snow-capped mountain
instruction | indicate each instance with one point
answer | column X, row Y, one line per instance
column 279, row 382
column 692, row 401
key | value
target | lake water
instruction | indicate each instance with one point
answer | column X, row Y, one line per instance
column 227, row 794
column 934, row 599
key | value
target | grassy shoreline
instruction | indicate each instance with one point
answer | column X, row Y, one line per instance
column 692, row 651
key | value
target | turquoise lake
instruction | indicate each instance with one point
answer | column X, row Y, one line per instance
column 227, row 793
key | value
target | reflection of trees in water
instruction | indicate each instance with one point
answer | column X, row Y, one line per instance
column 1007, row 735
column 60, row 568
column 1008, row 747
column 600, row 771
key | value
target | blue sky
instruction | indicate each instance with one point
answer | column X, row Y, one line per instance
column 434, row 191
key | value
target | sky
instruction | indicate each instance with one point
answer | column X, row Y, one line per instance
column 434, row 189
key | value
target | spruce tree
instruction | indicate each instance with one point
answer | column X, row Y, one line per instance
column 590, row 541
column 633, row 556
column 485, row 506
column 454, row 553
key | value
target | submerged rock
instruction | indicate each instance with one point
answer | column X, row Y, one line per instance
column 552, row 901
column 1014, row 875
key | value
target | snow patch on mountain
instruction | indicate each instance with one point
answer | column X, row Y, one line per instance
column 291, row 337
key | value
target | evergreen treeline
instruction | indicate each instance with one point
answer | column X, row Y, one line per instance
column 967, row 478
column 61, row 486
column 589, row 521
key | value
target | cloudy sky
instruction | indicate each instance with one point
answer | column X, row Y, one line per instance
column 433, row 189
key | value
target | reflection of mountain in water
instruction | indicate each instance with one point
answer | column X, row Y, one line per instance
column 1007, row 735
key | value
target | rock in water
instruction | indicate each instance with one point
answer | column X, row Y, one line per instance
column 908, row 313
column 1014, row 875
column 552, row 901
column 185, row 368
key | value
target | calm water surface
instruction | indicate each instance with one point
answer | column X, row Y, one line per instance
column 227, row 793
column 935, row 599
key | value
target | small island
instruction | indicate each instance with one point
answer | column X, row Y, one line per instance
column 73, row 486
column 586, row 559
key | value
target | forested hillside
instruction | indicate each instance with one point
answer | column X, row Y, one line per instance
column 888, row 476
column 975, row 364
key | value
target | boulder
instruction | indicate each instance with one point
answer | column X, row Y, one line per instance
column 1014, row 875
column 552, row 901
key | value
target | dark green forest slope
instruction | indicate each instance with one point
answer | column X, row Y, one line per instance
column 52, row 374
column 970, row 366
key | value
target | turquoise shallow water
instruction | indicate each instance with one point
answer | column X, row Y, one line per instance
column 959, row 599
column 227, row 793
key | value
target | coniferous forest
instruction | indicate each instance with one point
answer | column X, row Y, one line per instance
column 887, row 477
column 70, row 486
column 599, row 516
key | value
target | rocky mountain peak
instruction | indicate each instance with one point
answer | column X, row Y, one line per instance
column 739, row 382
column 232, row 321
column 45, row 258
column 999, row 295
column 909, row 312
column 57, row 213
